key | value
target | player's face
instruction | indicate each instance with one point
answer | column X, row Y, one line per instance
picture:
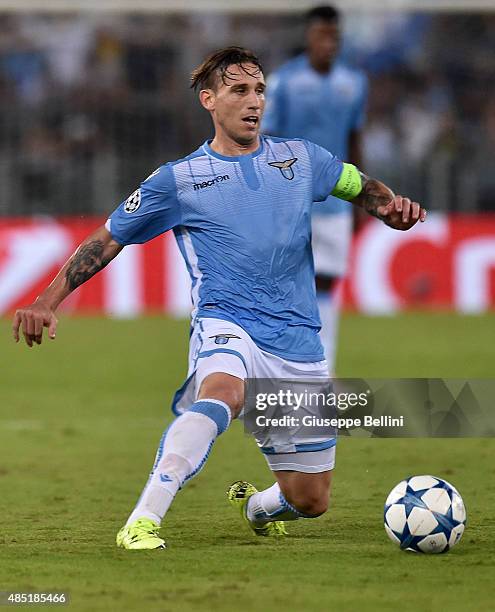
column 323, row 40
column 238, row 102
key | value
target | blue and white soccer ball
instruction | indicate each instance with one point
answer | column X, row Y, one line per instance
column 425, row 514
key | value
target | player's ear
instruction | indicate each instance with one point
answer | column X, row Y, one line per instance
column 207, row 99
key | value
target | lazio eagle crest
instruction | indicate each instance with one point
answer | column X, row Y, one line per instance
column 285, row 167
column 224, row 338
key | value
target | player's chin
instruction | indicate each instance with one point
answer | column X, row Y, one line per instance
column 247, row 135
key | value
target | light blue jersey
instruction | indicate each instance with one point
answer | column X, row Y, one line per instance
column 323, row 108
column 243, row 225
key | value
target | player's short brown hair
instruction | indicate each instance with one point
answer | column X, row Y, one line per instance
column 216, row 65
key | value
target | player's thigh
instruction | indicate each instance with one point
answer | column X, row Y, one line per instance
column 308, row 493
column 224, row 387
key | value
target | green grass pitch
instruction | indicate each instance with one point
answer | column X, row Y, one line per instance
column 80, row 419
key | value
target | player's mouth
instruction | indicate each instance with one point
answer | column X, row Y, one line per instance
column 251, row 120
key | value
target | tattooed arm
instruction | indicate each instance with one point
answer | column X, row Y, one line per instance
column 92, row 256
column 379, row 201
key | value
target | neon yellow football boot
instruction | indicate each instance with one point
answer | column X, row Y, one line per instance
column 238, row 494
column 140, row 535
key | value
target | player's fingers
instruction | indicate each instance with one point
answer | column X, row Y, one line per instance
column 15, row 325
column 25, row 332
column 38, row 330
column 415, row 211
column 406, row 209
column 422, row 216
column 52, row 327
column 385, row 209
column 30, row 328
column 395, row 205
column 30, row 324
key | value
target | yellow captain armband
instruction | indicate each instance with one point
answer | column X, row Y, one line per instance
column 349, row 184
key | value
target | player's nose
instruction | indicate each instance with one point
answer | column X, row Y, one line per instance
column 254, row 101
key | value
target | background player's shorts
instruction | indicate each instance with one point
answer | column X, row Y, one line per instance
column 220, row 346
column 331, row 241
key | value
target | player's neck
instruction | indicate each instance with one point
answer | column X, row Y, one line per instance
column 319, row 66
column 224, row 145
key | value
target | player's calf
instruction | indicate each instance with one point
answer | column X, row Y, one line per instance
column 273, row 505
column 308, row 505
column 306, row 493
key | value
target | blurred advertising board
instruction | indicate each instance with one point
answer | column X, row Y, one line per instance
column 446, row 263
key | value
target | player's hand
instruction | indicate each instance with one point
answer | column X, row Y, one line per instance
column 400, row 213
column 31, row 320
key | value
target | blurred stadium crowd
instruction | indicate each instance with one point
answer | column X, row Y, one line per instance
column 90, row 104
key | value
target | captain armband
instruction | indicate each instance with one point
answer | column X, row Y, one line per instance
column 349, row 184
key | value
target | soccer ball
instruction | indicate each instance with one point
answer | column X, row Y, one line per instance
column 424, row 514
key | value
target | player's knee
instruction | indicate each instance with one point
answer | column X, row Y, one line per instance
column 225, row 388
column 234, row 399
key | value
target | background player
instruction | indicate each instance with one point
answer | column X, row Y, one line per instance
column 317, row 97
column 240, row 209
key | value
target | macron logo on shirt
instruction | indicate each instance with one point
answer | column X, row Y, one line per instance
column 214, row 181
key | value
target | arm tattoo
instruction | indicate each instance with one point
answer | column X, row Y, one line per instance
column 374, row 194
column 87, row 261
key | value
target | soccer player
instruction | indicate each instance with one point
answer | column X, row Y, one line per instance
column 240, row 209
column 316, row 97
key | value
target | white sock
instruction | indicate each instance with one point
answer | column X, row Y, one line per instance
column 271, row 505
column 329, row 307
column 183, row 451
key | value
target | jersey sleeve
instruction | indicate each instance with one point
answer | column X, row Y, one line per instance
column 148, row 212
column 274, row 116
column 326, row 169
